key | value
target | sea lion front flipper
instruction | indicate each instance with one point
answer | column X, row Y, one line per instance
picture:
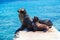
column 21, row 28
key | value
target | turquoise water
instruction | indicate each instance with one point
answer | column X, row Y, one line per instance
column 9, row 21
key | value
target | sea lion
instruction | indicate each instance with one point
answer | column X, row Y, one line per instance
column 26, row 21
column 46, row 22
column 42, row 25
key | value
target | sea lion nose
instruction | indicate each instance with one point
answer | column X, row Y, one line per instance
column 21, row 10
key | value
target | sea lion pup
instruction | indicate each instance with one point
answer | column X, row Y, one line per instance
column 42, row 27
column 46, row 22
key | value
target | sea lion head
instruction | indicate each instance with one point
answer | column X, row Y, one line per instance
column 22, row 10
column 22, row 14
column 36, row 19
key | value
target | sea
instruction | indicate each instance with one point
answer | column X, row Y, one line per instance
column 43, row 9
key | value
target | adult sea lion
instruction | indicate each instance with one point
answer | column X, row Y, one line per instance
column 27, row 22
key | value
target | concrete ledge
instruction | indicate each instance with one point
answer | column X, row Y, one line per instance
column 52, row 34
